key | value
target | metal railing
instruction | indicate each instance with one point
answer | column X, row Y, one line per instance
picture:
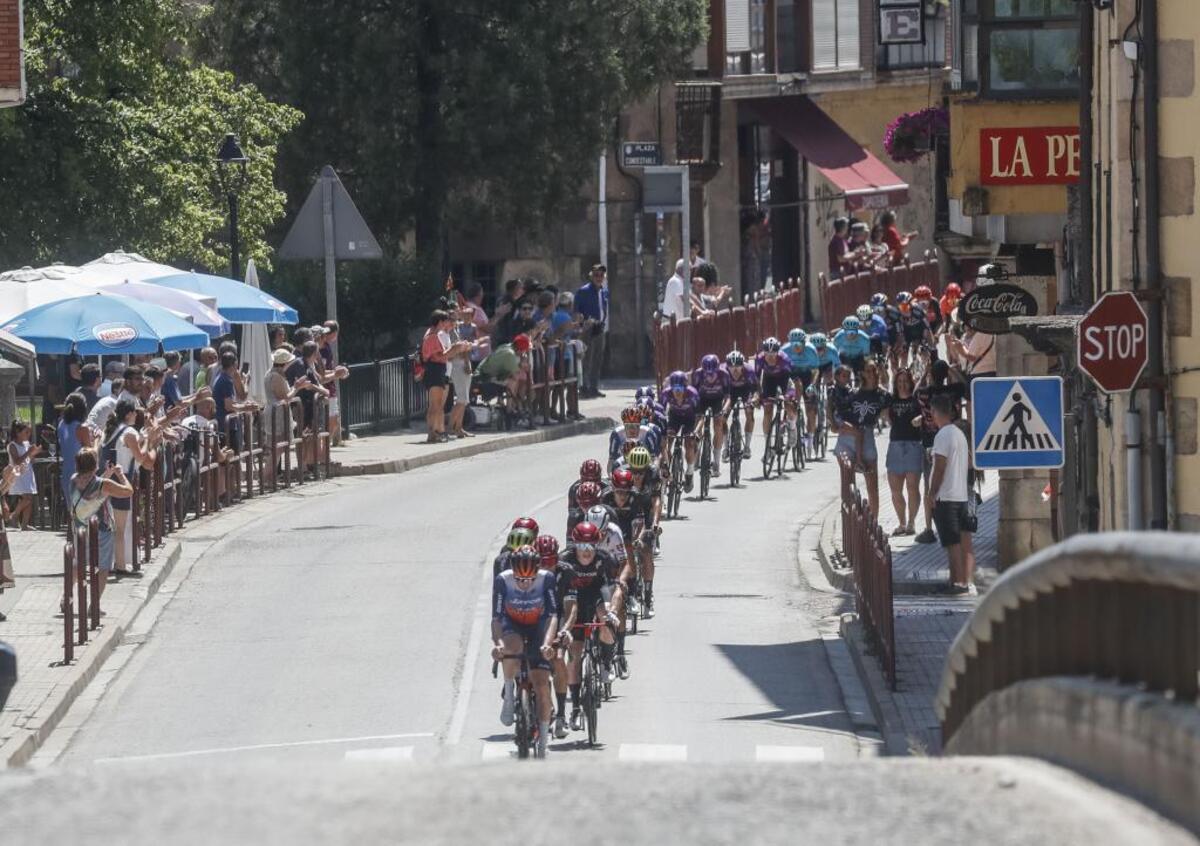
column 840, row 297
column 1121, row 606
column 679, row 343
column 379, row 395
column 866, row 547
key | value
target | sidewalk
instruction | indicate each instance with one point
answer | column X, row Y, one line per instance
column 925, row 623
column 46, row 688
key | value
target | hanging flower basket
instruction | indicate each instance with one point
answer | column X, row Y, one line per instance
column 910, row 136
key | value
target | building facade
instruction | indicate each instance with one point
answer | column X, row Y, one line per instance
column 12, row 66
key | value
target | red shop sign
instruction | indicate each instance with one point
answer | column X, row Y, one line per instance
column 1029, row 155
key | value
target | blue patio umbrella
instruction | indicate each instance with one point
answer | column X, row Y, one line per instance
column 101, row 324
column 236, row 301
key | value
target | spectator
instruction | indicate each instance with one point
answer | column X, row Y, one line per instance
column 696, row 300
column 225, row 393
column 297, row 368
column 125, row 446
column 73, row 378
column 502, row 331
column 938, row 384
column 897, row 243
column 203, row 419
column 906, row 455
column 435, row 353
column 675, row 299
column 114, row 370
column 592, row 301
column 841, row 257
column 152, row 383
column 508, row 365
column 975, row 353
column 478, row 319
column 278, row 337
column 170, row 384
column 948, row 488
column 277, row 419
column 206, row 371
column 97, row 418
column 21, row 452
column 93, row 494
column 864, row 254
column 134, row 382
column 89, row 383
column 720, row 296
column 7, row 476
column 458, row 367
column 704, row 268
column 332, row 375
column 862, row 412
column 75, row 432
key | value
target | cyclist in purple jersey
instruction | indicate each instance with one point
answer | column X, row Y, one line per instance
column 711, row 382
column 743, row 384
column 682, row 402
column 774, row 371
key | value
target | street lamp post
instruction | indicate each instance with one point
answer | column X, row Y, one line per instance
column 231, row 170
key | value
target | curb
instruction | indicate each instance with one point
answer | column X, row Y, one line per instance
column 841, row 578
column 875, row 686
column 21, row 747
column 591, row 426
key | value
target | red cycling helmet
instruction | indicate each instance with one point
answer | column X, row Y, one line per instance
column 923, row 293
column 631, row 415
column 521, row 343
column 622, row 480
column 547, row 545
column 590, row 470
column 525, row 562
column 586, row 532
column 526, row 523
column 587, row 495
column 954, row 290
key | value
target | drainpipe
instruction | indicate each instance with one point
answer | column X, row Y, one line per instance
column 1087, row 498
column 1156, row 368
column 1133, row 468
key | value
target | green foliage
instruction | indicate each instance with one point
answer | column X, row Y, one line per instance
column 115, row 144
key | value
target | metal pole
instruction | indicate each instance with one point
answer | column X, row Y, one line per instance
column 1133, row 468
column 638, row 339
column 235, row 261
column 602, row 213
column 686, row 246
column 330, row 257
column 1157, row 367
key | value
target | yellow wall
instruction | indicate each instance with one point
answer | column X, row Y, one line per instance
column 968, row 117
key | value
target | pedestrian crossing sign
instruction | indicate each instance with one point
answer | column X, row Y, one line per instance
column 1017, row 422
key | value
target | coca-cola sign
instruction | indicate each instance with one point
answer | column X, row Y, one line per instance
column 988, row 307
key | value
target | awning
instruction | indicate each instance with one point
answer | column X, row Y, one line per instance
column 866, row 181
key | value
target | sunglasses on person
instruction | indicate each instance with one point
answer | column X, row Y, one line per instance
column 585, row 547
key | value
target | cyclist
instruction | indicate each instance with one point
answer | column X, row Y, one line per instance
column 712, row 384
column 525, row 620
column 589, row 471
column 524, row 532
column 647, row 482
column 655, row 420
column 948, row 306
column 805, row 362
column 913, row 327
column 742, row 386
column 585, row 577
column 923, row 297
column 876, row 329
column 586, row 496
column 625, row 437
column 774, row 372
column 852, row 344
column 635, row 517
column 891, row 319
column 682, row 403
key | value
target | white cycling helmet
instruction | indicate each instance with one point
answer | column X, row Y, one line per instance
column 598, row 516
column 863, row 312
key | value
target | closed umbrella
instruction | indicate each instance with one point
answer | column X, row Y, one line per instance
column 101, row 324
column 237, row 301
column 27, row 288
column 119, row 266
column 196, row 310
column 256, row 348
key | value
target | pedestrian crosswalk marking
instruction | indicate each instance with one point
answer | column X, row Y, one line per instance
column 1018, row 425
column 387, row 753
column 652, row 752
column 791, row 754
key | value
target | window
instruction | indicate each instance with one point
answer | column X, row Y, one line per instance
column 930, row 54
column 1025, row 47
column 746, row 37
column 835, row 35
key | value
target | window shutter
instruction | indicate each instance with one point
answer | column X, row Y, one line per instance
column 737, row 26
column 824, row 34
column 847, row 35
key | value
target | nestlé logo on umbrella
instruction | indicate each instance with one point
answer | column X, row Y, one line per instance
column 115, row 335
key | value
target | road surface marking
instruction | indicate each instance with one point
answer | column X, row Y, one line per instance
column 498, row 751
column 652, row 752
column 475, row 640
column 224, row 750
column 807, row 754
column 385, row 753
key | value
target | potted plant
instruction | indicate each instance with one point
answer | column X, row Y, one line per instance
column 910, row 136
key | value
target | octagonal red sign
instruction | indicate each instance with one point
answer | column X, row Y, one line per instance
column 1112, row 342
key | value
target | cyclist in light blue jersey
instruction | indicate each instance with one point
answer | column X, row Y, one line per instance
column 852, row 343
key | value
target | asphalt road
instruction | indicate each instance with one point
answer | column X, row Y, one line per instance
column 354, row 627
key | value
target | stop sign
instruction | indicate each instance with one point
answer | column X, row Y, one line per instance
column 1112, row 342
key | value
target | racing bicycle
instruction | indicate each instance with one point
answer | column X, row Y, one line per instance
column 706, row 453
column 674, row 480
column 591, row 677
column 525, row 722
column 734, row 443
column 775, row 447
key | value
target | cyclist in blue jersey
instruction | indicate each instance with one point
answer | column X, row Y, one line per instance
column 875, row 328
column 712, row 384
column 743, row 384
column 805, row 364
column 852, row 344
column 656, row 422
column 525, row 615
column 682, row 403
column 625, row 437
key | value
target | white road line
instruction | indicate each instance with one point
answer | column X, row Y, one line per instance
column 497, row 751
column 475, row 641
column 792, row 754
column 385, row 753
column 195, row 753
column 652, row 752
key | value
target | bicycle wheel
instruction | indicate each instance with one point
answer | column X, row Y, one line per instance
column 676, row 480
column 768, row 450
column 706, row 464
column 522, row 726
column 590, row 695
column 735, row 454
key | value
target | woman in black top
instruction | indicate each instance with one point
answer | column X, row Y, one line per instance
column 906, row 455
column 865, row 407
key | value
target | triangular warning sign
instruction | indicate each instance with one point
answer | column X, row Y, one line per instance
column 1017, row 426
column 352, row 238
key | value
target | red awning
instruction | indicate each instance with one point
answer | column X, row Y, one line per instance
column 866, row 181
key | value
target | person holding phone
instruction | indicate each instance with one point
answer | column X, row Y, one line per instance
column 91, row 495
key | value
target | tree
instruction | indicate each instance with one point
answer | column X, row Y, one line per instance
column 114, row 146
column 435, row 112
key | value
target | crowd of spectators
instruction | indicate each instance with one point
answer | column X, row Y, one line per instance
column 856, row 246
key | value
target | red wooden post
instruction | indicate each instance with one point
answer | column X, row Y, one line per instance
column 68, row 606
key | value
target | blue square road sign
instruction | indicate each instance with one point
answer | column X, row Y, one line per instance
column 1017, row 422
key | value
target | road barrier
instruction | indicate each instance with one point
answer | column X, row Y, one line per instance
column 679, row 343
column 866, row 547
column 81, row 587
column 840, row 297
column 1121, row 606
column 379, row 395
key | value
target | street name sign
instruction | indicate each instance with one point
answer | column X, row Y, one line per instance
column 1017, row 422
column 1112, row 342
column 641, row 154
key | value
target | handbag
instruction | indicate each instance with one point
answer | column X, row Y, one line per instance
column 974, row 496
